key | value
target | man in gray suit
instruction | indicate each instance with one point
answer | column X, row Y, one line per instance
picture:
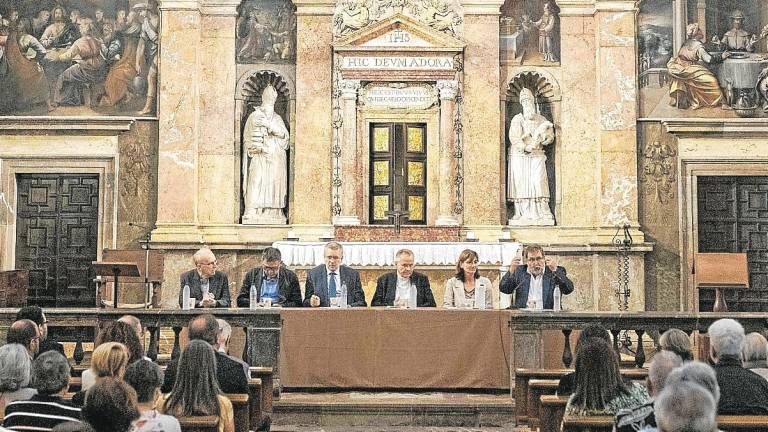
column 209, row 288
column 325, row 281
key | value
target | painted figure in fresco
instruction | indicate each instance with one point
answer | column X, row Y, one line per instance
column 736, row 39
column 40, row 22
column 692, row 84
column 61, row 33
column 527, row 184
column 22, row 81
column 147, row 53
column 546, row 26
column 29, row 46
column 353, row 16
column 265, row 145
column 89, row 69
column 257, row 44
column 118, row 87
column 439, row 16
column 762, row 89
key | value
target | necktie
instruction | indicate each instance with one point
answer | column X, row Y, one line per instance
column 332, row 286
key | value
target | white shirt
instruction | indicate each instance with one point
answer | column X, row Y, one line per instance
column 536, row 290
column 328, row 280
column 403, row 292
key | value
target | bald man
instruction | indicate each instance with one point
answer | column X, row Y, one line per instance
column 24, row 332
column 209, row 288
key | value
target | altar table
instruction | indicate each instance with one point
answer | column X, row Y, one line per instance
column 387, row 348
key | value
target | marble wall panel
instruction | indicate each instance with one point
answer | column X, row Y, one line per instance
column 137, row 177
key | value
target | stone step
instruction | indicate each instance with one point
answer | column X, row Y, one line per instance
column 393, row 409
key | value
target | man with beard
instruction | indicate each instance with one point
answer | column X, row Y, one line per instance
column 90, row 69
column 533, row 284
column 40, row 22
column 61, row 33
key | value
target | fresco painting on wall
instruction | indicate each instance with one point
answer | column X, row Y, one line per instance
column 266, row 32
column 78, row 57
column 529, row 32
column 703, row 59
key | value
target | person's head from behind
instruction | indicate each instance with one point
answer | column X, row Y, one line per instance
column 196, row 388
column 686, row 407
column 146, row 378
column 754, row 351
column 225, row 332
column 135, row 324
column 726, row 339
column 204, row 327
column 110, row 406
column 698, row 373
column 35, row 314
column 597, row 375
column 466, row 267
column 50, row 373
column 663, row 363
column 109, row 360
column 122, row 333
column 15, row 367
column 592, row 330
column 404, row 259
column 678, row 342
column 24, row 332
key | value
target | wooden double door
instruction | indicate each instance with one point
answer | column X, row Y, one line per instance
column 57, row 237
column 398, row 172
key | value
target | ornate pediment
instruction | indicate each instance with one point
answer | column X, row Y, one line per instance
column 399, row 33
column 444, row 16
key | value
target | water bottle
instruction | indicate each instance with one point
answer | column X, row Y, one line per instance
column 185, row 298
column 556, row 295
column 253, row 297
column 480, row 296
column 412, row 298
column 343, row 299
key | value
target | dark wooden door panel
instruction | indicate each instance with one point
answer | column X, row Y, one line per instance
column 733, row 217
column 57, row 231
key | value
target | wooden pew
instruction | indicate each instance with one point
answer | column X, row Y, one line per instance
column 728, row 423
column 587, row 423
column 199, row 424
column 240, row 408
column 551, row 412
column 75, row 384
column 261, row 390
column 537, row 388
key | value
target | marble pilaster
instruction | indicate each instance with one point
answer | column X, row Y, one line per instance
column 350, row 179
column 448, row 91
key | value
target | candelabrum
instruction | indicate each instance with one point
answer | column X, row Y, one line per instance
column 623, row 243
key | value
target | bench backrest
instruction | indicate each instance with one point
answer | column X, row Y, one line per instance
column 199, row 424
column 241, row 411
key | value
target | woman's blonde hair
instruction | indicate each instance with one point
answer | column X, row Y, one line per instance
column 109, row 360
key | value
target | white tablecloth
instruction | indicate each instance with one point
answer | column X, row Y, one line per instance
column 382, row 254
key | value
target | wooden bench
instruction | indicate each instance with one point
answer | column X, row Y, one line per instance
column 199, row 424
column 728, row 423
column 240, row 409
column 587, row 423
column 551, row 412
column 75, row 384
column 537, row 388
column 262, row 395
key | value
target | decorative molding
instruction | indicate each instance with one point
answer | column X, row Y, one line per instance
column 179, row 5
column 659, row 165
column 349, row 89
column 70, row 123
column 352, row 16
column 541, row 81
column 449, row 89
column 314, row 7
column 482, row 7
column 576, row 8
column 616, row 5
column 719, row 127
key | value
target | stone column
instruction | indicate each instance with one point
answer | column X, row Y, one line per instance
column 448, row 90
column 179, row 128
column 218, row 201
column 701, row 16
column 679, row 22
column 348, row 162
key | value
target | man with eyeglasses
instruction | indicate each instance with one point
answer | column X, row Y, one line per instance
column 395, row 288
column 533, row 284
column 209, row 288
column 273, row 281
column 325, row 281
column 35, row 314
column 25, row 332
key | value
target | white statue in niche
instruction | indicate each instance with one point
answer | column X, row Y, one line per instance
column 527, row 184
column 265, row 145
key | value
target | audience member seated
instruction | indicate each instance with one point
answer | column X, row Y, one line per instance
column 109, row 360
column 754, row 352
column 110, row 406
column 698, row 373
column 35, row 314
column 686, row 407
column 15, row 369
column 196, row 391
column 135, row 324
column 568, row 382
column 726, row 341
column 272, row 280
column 121, row 333
column 24, row 332
column 641, row 417
column 678, row 342
column 600, row 389
column 46, row 409
column 394, row 288
column 325, row 281
column 222, row 344
column 146, row 378
column 229, row 373
column 460, row 290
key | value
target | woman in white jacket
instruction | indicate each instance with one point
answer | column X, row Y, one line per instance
column 461, row 290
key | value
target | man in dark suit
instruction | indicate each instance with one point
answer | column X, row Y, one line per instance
column 533, row 284
column 36, row 315
column 325, row 281
column 230, row 374
column 271, row 280
column 209, row 288
column 393, row 288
